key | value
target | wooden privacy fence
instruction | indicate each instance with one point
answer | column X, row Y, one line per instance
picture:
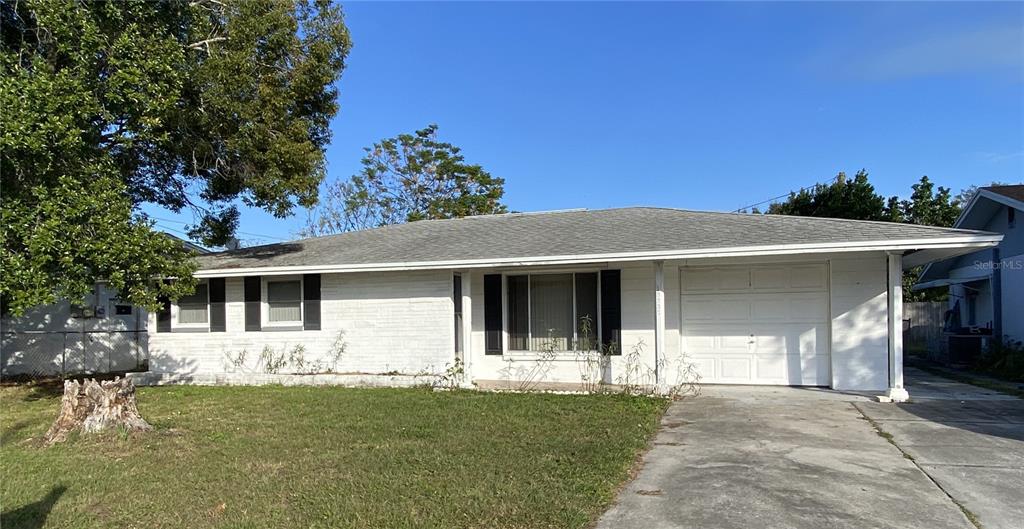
column 922, row 325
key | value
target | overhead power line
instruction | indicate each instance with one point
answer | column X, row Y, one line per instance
column 240, row 232
column 773, row 199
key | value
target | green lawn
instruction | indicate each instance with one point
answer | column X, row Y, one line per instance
column 326, row 457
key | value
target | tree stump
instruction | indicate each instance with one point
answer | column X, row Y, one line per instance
column 93, row 406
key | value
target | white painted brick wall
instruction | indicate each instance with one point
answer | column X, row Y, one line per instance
column 402, row 321
column 393, row 321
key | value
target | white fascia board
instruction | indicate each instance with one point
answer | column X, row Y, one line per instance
column 970, row 241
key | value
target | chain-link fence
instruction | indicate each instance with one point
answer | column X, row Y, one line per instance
column 64, row 353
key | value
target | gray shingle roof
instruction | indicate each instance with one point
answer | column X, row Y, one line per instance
column 562, row 233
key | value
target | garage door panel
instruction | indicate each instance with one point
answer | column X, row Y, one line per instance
column 701, row 343
column 807, row 307
column 809, row 277
column 738, row 342
column 737, row 369
column 716, row 280
column 792, row 338
column 717, row 339
column 790, row 370
column 776, row 368
column 774, row 332
column 716, row 308
column 787, row 307
column 774, row 278
column 705, row 366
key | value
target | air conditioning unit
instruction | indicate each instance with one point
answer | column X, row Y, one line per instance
column 82, row 313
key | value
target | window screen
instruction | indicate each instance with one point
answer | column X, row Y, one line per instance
column 193, row 308
column 284, row 299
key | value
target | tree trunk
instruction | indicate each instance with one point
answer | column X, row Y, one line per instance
column 96, row 406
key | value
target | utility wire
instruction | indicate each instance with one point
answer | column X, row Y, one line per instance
column 240, row 232
column 773, row 199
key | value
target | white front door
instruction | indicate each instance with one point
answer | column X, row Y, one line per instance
column 757, row 324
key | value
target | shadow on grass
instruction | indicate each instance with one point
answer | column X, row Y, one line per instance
column 44, row 392
column 33, row 515
column 49, row 387
column 13, row 431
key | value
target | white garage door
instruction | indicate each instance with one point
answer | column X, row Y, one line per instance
column 763, row 324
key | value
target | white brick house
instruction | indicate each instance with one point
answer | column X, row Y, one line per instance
column 745, row 299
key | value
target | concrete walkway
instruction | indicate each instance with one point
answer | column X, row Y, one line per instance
column 970, row 440
column 754, row 457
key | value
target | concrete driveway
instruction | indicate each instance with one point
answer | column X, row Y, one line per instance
column 969, row 440
column 741, row 457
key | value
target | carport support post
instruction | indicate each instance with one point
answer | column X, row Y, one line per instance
column 895, row 296
column 659, row 320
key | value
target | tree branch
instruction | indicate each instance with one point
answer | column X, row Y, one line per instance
column 206, row 43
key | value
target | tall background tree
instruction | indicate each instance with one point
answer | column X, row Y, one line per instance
column 407, row 178
column 191, row 105
column 842, row 198
column 928, row 205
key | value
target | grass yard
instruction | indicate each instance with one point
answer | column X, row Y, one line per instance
column 325, row 457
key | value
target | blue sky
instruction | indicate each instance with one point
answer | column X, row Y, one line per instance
column 690, row 105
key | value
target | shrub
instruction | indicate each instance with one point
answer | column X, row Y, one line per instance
column 1004, row 359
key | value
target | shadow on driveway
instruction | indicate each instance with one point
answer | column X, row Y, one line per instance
column 946, row 402
column 969, row 440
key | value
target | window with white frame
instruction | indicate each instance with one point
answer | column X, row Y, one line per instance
column 284, row 301
column 553, row 311
column 194, row 309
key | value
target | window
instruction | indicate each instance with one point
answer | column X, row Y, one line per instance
column 284, row 301
column 552, row 311
column 194, row 309
column 1011, row 217
column 972, row 308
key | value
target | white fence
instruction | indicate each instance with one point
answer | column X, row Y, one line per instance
column 48, row 353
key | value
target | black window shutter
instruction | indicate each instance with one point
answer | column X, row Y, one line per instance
column 163, row 316
column 311, row 302
column 492, row 314
column 611, row 310
column 218, row 312
column 252, row 303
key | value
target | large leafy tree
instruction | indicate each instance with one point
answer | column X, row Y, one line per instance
column 857, row 199
column 194, row 105
column 927, row 206
column 930, row 206
column 407, row 178
column 843, row 198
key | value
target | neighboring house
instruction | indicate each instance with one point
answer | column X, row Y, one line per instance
column 102, row 335
column 747, row 299
column 986, row 287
